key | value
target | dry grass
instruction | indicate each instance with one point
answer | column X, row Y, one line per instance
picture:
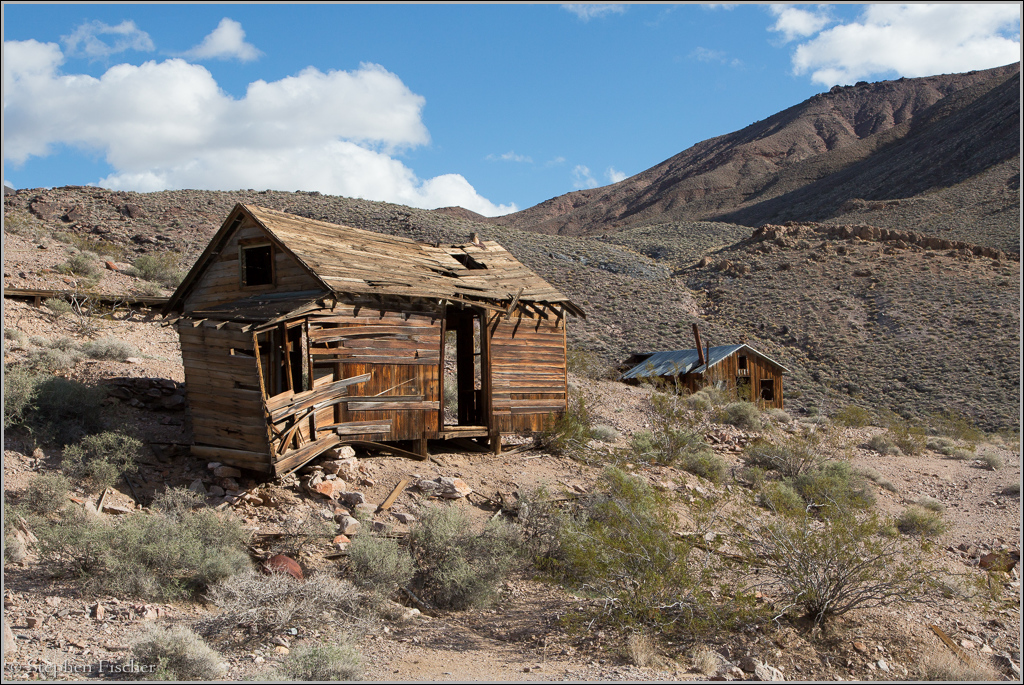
column 941, row 666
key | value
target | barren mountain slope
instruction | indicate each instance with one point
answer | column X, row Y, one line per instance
column 892, row 139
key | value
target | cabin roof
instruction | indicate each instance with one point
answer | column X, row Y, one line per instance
column 347, row 260
column 681, row 362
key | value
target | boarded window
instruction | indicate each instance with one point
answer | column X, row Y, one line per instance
column 768, row 390
column 257, row 264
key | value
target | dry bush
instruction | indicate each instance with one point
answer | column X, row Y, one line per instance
column 941, row 666
column 46, row 494
column 875, row 477
column 922, row 522
column 830, row 567
column 706, row 660
column 742, row 415
column 178, row 654
column 270, row 602
column 882, row 443
column 778, row 415
column 790, row 457
column 642, row 650
column 604, row 433
column 992, row 461
column 322, row 662
column 931, row 504
column 110, row 348
column 380, row 563
column 162, row 269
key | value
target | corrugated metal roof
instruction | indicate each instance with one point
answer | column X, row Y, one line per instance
column 681, row 362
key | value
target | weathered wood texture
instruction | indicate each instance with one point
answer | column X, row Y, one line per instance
column 527, row 357
column 221, row 281
column 759, row 372
column 220, row 377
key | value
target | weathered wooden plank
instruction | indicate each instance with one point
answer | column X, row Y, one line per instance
column 391, row 405
column 294, row 459
column 311, row 397
column 222, row 453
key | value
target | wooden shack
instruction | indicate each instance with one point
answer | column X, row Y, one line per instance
column 736, row 368
column 299, row 335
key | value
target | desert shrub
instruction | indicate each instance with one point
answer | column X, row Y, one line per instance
column 778, row 415
column 833, row 488
column 782, row 498
column 178, row 654
column 322, row 662
column 63, row 410
column 571, row 433
column 50, row 360
column 828, row 568
column 931, row 504
column 79, row 264
column 909, row 438
column 706, row 660
column 790, row 457
column 175, row 502
column 920, row 522
column 992, row 461
column 457, row 568
column 110, row 348
column 1011, row 490
column 941, row 666
column 149, row 556
column 943, row 446
column 875, row 477
column 619, row 544
column 707, row 398
column 380, row 563
column 19, row 394
column 853, row 416
column 46, row 493
column 15, row 336
column 162, row 269
column 957, row 426
column 882, row 443
column 271, row 602
column 705, row 463
column 604, row 433
column 742, row 415
column 642, row 650
column 101, row 459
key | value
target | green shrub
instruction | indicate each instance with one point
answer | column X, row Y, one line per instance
column 620, row 545
column 743, row 415
column 958, row 426
column 917, row 521
column 571, row 433
column 781, row 498
column 322, row 662
column 51, row 360
column 852, row 416
column 875, row 477
column 150, row 556
column 828, row 568
column 791, row 457
column 79, row 265
column 19, row 394
column 272, row 602
column 457, row 568
column 882, row 443
column 101, row 459
column 992, row 461
column 943, row 446
column 15, row 336
column 705, row 463
column 46, row 493
column 707, row 398
column 931, row 504
column 380, row 563
column 834, row 488
column 178, row 654
column 110, row 348
column 162, row 269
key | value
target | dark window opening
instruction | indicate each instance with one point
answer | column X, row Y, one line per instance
column 743, row 363
column 768, row 390
column 468, row 262
column 743, row 388
column 258, row 265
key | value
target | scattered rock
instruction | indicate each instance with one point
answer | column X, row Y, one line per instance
column 448, row 488
column 349, row 526
column 283, row 564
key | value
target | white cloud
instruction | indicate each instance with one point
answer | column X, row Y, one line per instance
column 555, row 161
column 166, row 125
column 587, row 11
column 85, row 40
column 912, row 40
column 509, row 156
column 227, row 41
column 582, row 178
column 615, row 175
column 795, row 22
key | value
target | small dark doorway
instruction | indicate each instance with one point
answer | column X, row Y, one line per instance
column 768, row 390
column 462, row 375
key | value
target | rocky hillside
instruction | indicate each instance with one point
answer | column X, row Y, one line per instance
column 939, row 154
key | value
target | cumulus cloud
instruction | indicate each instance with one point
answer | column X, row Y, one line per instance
column 614, row 175
column 588, row 11
column 912, row 40
column 227, row 41
column 795, row 22
column 510, row 156
column 582, row 178
column 86, row 41
column 167, row 125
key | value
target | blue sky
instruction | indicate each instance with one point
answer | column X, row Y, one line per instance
column 492, row 107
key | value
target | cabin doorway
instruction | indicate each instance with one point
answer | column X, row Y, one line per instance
column 462, row 372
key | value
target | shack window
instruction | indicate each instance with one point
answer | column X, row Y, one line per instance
column 257, row 264
column 743, row 362
column 768, row 389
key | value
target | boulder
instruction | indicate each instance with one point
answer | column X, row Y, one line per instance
column 283, row 564
column 448, row 488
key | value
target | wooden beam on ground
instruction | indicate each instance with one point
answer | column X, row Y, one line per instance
column 382, row 447
column 399, row 489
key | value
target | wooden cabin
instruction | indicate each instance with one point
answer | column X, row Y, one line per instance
column 298, row 336
column 739, row 368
